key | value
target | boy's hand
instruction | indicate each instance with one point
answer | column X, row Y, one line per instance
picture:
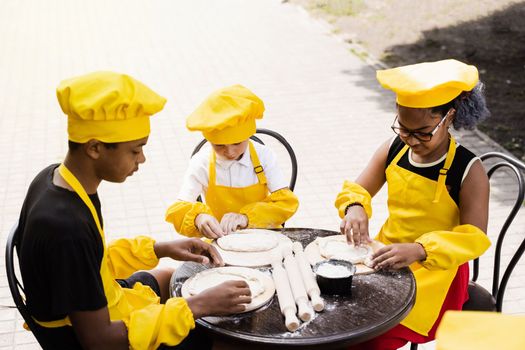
column 355, row 226
column 208, row 226
column 189, row 249
column 398, row 255
column 232, row 222
column 225, row 299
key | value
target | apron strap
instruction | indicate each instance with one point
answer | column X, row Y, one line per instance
column 211, row 171
column 399, row 155
column 443, row 171
column 257, row 167
column 77, row 187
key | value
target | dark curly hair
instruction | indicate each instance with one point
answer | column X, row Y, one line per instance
column 470, row 106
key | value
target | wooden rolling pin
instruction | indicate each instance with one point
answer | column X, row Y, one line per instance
column 308, row 278
column 284, row 294
column 296, row 282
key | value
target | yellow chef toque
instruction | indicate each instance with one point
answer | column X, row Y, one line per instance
column 476, row 330
column 227, row 116
column 107, row 106
column 429, row 84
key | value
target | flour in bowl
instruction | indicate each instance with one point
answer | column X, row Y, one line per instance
column 333, row 271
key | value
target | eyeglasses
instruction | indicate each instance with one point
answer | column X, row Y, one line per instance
column 421, row 136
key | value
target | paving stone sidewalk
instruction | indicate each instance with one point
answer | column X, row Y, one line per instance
column 320, row 96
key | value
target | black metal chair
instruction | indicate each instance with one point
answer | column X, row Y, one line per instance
column 481, row 299
column 278, row 137
column 15, row 284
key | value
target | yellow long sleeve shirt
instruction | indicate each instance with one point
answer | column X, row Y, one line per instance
column 271, row 212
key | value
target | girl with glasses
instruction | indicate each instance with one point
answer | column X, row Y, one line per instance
column 437, row 193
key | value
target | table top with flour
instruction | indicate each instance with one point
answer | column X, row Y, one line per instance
column 378, row 302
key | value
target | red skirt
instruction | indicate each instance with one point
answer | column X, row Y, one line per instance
column 398, row 336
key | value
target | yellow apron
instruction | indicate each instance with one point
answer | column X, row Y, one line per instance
column 224, row 199
column 418, row 205
column 121, row 301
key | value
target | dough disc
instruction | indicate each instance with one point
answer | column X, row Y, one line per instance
column 261, row 285
column 248, row 242
column 254, row 258
column 313, row 252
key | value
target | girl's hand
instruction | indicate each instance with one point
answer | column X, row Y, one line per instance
column 355, row 226
column 208, row 226
column 398, row 255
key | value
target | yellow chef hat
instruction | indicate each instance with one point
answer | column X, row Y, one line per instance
column 429, row 84
column 107, row 106
column 478, row 330
column 227, row 116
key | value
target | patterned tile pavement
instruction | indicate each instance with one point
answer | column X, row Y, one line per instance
column 324, row 99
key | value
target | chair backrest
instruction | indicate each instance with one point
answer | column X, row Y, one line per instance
column 279, row 138
column 503, row 161
column 15, row 284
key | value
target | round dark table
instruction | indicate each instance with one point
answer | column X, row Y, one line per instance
column 379, row 301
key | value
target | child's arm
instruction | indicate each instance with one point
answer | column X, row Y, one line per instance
column 273, row 210
column 183, row 214
column 146, row 328
column 154, row 325
column 127, row 255
column 354, row 201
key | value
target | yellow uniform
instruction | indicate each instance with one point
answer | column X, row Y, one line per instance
column 421, row 208
column 416, row 216
column 228, row 117
column 114, row 108
column 149, row 323
column 263, row 209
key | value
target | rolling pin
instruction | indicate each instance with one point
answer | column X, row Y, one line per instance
column 296, row 282
column 284, row 294
column 310, row 283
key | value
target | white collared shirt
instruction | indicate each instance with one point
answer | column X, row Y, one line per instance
column 230, row 173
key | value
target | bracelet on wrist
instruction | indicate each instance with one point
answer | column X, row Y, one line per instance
column 352, row 205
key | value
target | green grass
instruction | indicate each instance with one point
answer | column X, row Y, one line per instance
column 338, row 7
column 363, row 55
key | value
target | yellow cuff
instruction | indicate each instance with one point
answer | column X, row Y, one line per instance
column 182, row 215
column 447, row 249
column 272, row 211
column 353, row 193
column 154, row 325
column 126, row 256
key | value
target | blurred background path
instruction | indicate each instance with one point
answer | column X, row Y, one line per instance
column 319, row 95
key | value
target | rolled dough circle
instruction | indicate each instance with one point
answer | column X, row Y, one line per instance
column 261, row 285
column 255, row 258
column 248, row 242
column 314, row 255
column 336, row 247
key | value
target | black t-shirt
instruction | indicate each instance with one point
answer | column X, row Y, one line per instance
column 455, row 174
column 60, row 256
